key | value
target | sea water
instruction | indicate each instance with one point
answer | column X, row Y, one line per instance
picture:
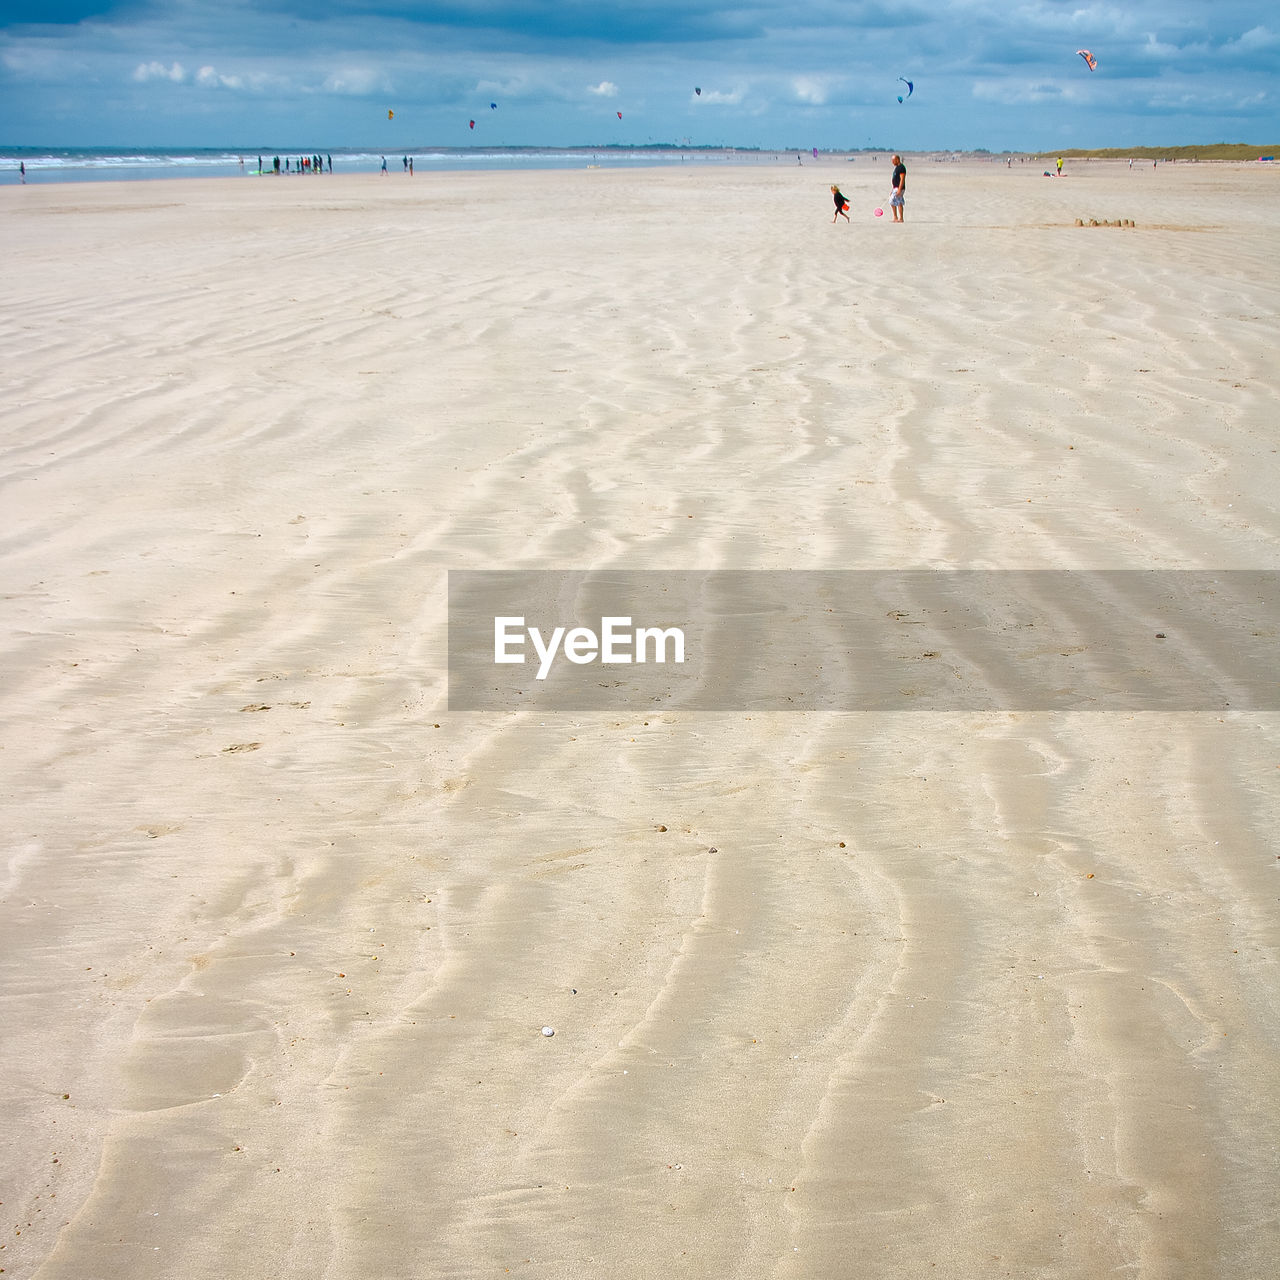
column 88, row 164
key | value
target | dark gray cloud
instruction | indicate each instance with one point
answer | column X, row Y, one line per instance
column 52, row 12
column 557, row 21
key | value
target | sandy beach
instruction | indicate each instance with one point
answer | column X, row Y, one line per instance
column 833, row 994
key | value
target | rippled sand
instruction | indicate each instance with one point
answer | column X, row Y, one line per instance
column 863, row 995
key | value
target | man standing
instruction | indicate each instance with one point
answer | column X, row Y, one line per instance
column 897, row 201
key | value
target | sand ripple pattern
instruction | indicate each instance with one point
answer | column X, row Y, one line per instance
column 833, row 995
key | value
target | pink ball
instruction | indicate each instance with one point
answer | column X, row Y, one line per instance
column 879, row 213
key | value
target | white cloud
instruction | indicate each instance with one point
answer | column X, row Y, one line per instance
column 357, row 82
column 810, row 89
column 208, row 77
column 727, row 99
column 158, row 71
column 1255, row 38
column 605, row 89
column 1093, row 21
column 1012, row 92
column 1158, row 50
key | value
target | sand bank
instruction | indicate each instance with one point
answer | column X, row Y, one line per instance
column 833, row 995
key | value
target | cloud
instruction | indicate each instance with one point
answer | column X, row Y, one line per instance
column 986, row 73
column 730, row 99
column 1092, row 20
column 810, row 89
column 210, row 79
column 357, row 82
column 1014, row 92
column 1157, row 50
column 1255, row 40
column 547, row 23
column 158, row 71
column 51, row 12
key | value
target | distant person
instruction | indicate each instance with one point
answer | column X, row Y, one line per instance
column 898, row 198
column 330, row 160
column 1059, row 166
column 406, row 164
column 411, row 166
column 384, row 164
column 841, row 204
column 22, row 169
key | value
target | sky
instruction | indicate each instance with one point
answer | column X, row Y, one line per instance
column 776, row 74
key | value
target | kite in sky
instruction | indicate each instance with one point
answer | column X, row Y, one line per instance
column 1090, row 61
column 391, row 115
column 698, row 92
column 472, row 123
column 910, row 88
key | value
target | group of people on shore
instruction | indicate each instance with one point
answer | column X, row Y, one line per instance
column 296, row 164
column 897, row 195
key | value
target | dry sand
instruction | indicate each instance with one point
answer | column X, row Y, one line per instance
column 891, row 995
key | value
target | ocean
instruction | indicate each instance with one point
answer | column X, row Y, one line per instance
column 90, row 164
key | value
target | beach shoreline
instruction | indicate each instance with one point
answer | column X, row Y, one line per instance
column 128, row 164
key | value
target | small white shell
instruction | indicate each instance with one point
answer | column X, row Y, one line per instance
column 548, row 1031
